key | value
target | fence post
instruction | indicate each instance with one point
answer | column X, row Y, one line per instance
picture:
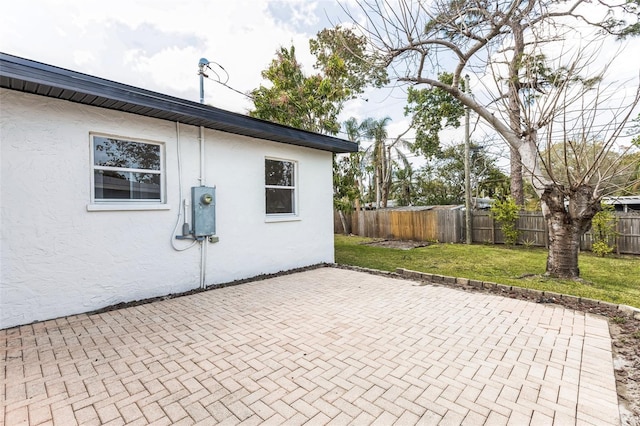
column 493, row 231
column 617, row 236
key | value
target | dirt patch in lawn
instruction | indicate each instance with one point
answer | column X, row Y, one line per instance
column 397, row 244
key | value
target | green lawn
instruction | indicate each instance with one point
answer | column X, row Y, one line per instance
column 612, row 279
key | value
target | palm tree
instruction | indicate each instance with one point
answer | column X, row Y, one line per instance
column 404, row 184
column 381, row 157
column 355, row 131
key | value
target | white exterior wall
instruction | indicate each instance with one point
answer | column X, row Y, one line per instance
column 58, row 258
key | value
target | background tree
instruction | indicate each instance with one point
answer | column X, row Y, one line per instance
column 341, row 55
column 432, row 110
column 313, row 102
column 305, row 102
column 635, row 131
column 441, row 181
column 345, row 186
column 567, row 161
column 528, row 92
column 631, row 162
column 355, row 132
column 633, row 159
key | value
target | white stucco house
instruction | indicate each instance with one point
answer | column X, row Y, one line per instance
column 110, row 193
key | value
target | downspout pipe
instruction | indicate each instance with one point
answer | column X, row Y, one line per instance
column 203, row 242
column 203, row 261
column 202, row 165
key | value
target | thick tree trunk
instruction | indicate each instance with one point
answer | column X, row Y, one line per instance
column 566, row 225
column 564, row 246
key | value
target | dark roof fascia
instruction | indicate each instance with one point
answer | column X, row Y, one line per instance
column 46, row 80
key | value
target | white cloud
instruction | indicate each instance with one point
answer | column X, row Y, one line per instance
column 156, row 44
column 82, row 57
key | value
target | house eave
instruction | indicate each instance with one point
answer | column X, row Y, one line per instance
column 28, row 76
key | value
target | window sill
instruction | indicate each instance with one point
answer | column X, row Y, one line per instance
column 126, row 207
column 282, row 218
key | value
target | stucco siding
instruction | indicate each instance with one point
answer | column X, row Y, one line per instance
column 58, row 258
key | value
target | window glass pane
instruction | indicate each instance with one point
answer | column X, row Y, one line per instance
column 279, row 200
column 278, row 173
column 126, row 154
column 126, row 185
column 145, row 186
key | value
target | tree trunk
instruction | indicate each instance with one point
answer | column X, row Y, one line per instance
column 515, row 111
column 343, row 220
column 377, row 187
column 386, row 186
column 564, row 246
column 566, row 226
column 384, row 198
column 517, row 189
column 383, row 176
column 386, row 177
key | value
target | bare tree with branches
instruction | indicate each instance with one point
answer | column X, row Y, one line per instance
column 536, row 89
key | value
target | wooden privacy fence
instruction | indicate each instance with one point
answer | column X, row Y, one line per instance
column 417, row 225
column 448, row 226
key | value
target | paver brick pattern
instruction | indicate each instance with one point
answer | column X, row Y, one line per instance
column 326, row 346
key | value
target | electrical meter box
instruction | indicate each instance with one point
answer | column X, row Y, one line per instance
column 203, row 213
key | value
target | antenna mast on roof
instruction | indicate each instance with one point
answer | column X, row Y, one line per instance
column 203, row 63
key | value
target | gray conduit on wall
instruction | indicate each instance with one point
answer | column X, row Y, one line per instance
column 182, row 209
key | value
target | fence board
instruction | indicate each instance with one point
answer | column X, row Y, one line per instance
column 448, row 226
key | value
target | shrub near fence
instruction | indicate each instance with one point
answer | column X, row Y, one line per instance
column 447, row 226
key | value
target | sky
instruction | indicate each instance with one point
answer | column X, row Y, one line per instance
column 157, row 44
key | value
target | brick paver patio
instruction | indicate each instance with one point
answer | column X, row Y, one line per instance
column 326, row 346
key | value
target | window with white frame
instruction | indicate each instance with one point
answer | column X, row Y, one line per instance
column 280, row 186
column 126, row 170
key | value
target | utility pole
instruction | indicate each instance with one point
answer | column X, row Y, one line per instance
column 379, row 173
column 467, row 169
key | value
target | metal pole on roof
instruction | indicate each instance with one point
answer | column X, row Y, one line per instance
column 203, row 63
